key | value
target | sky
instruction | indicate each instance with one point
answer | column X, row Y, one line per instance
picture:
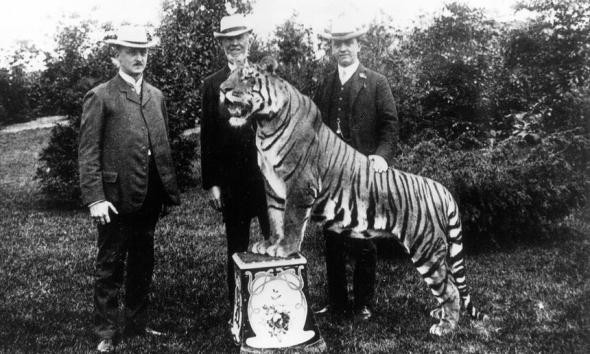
column 36, row 20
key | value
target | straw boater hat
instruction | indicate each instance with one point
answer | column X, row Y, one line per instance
column 232, row 26
column 132, row 36
column 343, row 28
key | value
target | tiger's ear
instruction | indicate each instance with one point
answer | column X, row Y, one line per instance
column 268, row 65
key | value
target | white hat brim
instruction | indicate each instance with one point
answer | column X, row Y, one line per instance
column 132, row 44
column 231, row 33
column 343, row 36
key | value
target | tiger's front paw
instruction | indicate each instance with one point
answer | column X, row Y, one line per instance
column 442, row 328
column 260, row 247
column 280, row 251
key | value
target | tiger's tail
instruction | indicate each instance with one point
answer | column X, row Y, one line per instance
column 457, row 261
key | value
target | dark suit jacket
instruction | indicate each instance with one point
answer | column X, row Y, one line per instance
column 373, row 117
column 115, row 135
column 228, row 154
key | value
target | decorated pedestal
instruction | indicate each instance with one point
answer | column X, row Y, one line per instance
column 271, row 312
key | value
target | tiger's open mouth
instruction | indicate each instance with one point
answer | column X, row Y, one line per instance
column 239, row 111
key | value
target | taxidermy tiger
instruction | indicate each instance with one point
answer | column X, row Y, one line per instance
column 311, row 173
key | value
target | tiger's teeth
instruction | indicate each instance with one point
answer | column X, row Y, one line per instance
column 237, row 121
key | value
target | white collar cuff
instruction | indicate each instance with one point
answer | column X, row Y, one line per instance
column 131, row 81
column 345, row 73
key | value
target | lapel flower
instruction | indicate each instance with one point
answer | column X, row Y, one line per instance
column 363, row 75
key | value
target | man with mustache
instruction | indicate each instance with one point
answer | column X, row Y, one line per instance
column 229, row 164
column 126, row 177
column 358, row 105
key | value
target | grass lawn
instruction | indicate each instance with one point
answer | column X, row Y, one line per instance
column 538, row 295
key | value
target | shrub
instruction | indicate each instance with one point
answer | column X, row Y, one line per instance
column 187, row 153
column 513, row 191
column 58, row 170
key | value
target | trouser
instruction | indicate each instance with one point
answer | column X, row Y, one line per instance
column 364, row 254
column 126, row 244
column 240, row 206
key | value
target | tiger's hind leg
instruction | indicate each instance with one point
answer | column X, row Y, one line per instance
column 431, row 264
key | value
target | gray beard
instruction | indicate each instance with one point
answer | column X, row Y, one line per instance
column 237, row 60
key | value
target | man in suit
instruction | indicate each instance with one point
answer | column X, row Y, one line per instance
column 358, row 105
column 126, row 177
column 228, row 154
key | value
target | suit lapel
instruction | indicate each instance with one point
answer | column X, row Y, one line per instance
column 357, row 83
column 146, row 93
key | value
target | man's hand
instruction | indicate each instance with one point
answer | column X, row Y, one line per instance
column 215, row 197
column 100, row 212
column 378, row 163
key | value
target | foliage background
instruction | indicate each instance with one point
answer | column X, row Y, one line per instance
column 498, row 112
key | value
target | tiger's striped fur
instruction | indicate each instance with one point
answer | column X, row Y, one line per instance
column 311, row 173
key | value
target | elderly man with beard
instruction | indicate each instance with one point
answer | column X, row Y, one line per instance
column 229, row 165
column 126, row 176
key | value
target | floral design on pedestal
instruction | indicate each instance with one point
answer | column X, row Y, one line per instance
column 277, row 309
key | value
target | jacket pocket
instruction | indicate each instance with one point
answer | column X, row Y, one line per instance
column 109, row 177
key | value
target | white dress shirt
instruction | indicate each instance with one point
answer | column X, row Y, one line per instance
column 345, row 73
column 131, row 81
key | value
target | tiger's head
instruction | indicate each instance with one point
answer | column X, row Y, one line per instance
column 252, row 89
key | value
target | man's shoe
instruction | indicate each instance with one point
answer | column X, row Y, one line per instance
column 139, row 332
column 330, row 310
column 152, row 332
column 106, row 346
column 363, row 313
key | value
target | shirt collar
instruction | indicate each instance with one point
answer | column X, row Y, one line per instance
column 345, row 73
column 131, row 81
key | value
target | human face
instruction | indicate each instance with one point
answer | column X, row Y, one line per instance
column 132, row 60
column 346, row 51
column 236, row 48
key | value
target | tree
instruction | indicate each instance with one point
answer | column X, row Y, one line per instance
column 293, row 46
column 77, row 65
column 16, row 84
column 547, row 60
column 459, row 56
